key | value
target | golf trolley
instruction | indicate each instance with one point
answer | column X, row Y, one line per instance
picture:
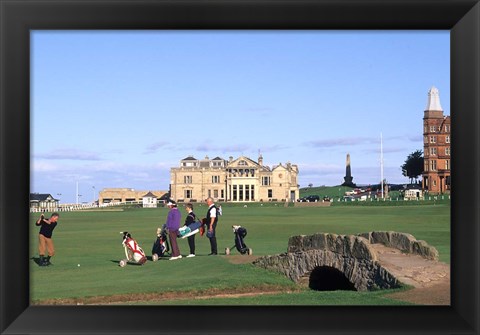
column 133, row 252
column 240, row 233
column 160, row 245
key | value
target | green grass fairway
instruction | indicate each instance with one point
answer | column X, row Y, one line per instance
column 92, row 239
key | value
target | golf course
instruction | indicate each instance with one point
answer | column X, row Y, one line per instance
column 88, row 249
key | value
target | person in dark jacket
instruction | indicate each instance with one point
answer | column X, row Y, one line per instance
column 172, row 224
column 45, row 242
column 191, row 218
column 211, row 225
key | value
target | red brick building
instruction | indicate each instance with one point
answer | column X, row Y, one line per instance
column 436, row 147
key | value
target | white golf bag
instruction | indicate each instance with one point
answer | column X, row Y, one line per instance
column 133, row 251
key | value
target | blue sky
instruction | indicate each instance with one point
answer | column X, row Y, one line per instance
column 120, row 108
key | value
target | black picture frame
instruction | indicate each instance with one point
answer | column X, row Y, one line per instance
column 18, row 17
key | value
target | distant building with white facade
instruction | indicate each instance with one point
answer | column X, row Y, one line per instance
column 119, row 195
column 149, row 200
column 239, row 180
column 43, row 202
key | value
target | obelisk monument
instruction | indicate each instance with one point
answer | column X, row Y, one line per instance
column 348, row 174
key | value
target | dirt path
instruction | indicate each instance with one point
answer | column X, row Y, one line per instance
column 123, row 299
column 430, row 279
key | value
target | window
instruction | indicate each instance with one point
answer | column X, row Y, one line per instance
column 433, row 151
column 433, row 139
column 265, row 181
column 188, row 193
column 187, row 179
column 447, row 139
column 432, row 129
column 425, row 167
column 447, row 164
column 434, row 182
column 447, row 128
column 433, row 165
column 447, row 151
column 247, row 192
column 215, row 179
column 240, row 192
column 242, row 163
column 215, row 193
column 252, row 192
column 234, row 193
column 270, row 193
column 222, row 194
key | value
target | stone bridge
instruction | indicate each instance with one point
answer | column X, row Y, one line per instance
column 353, row 262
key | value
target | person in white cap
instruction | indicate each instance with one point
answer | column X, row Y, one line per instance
column 173, row 223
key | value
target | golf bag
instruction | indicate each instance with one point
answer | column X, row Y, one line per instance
column 240, row 233
column 160, row 245
column 192, row 229
column 133, row 252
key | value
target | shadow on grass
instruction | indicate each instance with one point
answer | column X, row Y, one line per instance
column 36, row 260
column 128, row 263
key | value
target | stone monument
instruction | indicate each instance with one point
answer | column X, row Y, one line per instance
column 348, row 174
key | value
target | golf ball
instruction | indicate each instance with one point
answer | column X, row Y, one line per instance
column 78, row 264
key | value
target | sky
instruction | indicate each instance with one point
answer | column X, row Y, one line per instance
column 120, row 108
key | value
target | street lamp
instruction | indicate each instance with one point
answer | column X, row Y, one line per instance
column 58, row 195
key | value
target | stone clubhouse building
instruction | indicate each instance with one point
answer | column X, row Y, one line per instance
column 233, row 180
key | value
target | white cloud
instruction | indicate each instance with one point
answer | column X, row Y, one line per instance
column 155, row 147
column 337, row 142
column 70, row 154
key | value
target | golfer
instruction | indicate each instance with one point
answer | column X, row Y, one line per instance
column 191, row 218
column 211, row 225
column 45, row 241
column 172, row 224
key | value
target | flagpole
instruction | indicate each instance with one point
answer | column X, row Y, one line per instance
column 381, row 162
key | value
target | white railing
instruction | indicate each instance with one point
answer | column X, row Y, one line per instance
column 77, row 207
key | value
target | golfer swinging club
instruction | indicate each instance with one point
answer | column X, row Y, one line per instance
column 45, row 238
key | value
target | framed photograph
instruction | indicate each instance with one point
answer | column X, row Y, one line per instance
column 27, row 25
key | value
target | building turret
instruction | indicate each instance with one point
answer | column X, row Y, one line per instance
column 434, row 109
column 433, row 103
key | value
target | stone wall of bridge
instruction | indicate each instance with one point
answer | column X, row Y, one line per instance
column 353, row 255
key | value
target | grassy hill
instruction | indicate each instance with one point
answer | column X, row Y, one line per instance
column 334, row 192
column 329, row 191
